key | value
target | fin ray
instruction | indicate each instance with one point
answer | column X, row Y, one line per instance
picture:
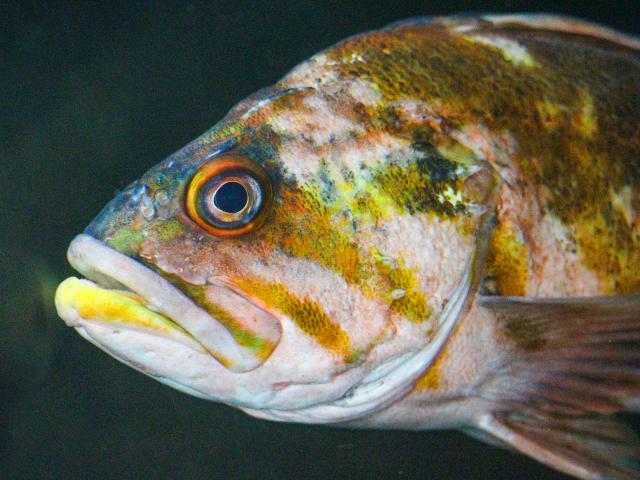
column 569, row 364
column 564, row 24
column 588, row 448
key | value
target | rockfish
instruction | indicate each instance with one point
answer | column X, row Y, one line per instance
column 434, row 225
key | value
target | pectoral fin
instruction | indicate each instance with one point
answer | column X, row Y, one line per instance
column 588, row 448
column 569, row 365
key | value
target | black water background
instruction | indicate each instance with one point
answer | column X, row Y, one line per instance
column 92, row 95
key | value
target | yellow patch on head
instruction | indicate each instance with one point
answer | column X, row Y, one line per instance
column 609, row 247
column 304, row 312
column 412, row 187
column 405, row 295
column 362, row 199
column 245, row 337
column 307, row 229
column 169, row 229
column 508, row 260
column 551, row 115
column 431, row 379
column 126, row 240
column 585, row 121
column 578, row 115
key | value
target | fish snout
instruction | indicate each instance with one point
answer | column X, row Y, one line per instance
column 124, row 294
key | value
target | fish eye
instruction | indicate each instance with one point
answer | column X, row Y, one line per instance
column 231, row 197
column 228, row 196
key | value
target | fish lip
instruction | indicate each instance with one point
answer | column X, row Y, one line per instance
column 112, row 269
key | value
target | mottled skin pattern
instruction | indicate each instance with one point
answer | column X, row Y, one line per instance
column 388, row 153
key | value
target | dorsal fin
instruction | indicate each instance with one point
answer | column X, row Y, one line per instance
column 546, row 22
column 561, row 23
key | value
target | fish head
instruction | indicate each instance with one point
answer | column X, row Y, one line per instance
column 306, row 246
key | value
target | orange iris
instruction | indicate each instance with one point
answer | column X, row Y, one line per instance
column 208, row 201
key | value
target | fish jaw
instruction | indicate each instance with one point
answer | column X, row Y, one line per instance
column 120, row 324
column 147, row 328
column 80, row 300
column 172, row 316
column 144, row 321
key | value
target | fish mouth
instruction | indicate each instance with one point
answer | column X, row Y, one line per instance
column 124, row 294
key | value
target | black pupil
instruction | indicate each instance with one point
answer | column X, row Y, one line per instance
column 230, row 197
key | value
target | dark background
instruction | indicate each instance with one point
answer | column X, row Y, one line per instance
column 93, row 95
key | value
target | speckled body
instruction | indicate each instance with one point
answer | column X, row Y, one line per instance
column 542, row 129
column 401, row 160
column 568, row 194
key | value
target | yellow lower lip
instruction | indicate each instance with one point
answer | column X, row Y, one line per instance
column 96, row 304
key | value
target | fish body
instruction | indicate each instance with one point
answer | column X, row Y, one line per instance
column 434, row 225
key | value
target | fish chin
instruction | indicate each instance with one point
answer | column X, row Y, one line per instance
column 172, row 363
column 81, row 302
column 119, row 323
column 170, row 309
